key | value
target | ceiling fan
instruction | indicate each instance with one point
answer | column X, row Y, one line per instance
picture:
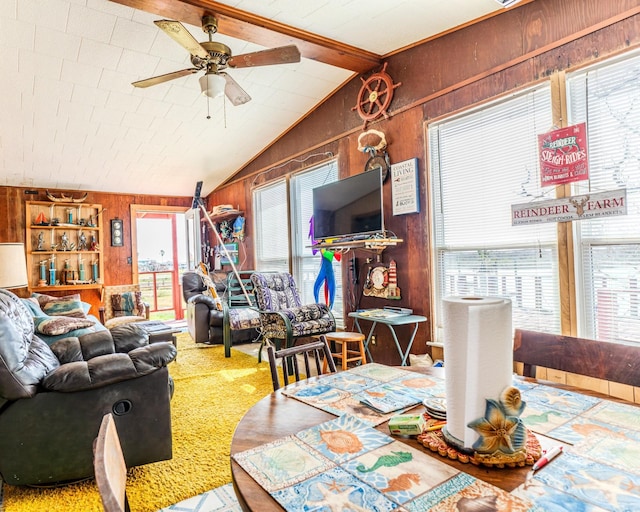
column 214, row 57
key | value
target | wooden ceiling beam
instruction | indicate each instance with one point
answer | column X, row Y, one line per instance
column 246, row 26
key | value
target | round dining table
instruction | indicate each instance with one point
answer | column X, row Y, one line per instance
column 277, row 416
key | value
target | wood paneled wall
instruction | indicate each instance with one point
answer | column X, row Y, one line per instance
column 445, row 75
column 116, row 259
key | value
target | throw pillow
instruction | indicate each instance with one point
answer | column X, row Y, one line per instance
column 56, row 325
column 128, row 304
column 69, row 305
column 34, row 306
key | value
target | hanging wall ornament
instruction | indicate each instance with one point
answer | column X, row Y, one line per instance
column 375, row 96
column 373, row 143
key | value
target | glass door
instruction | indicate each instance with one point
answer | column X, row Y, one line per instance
column 164, row 250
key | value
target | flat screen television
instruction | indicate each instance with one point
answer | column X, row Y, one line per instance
column 349, row 207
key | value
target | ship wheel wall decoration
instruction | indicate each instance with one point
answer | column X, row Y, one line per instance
column 375, row 96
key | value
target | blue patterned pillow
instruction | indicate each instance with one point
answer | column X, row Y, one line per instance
column 69, row 305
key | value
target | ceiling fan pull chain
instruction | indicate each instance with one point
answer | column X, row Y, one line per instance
column 208, row 114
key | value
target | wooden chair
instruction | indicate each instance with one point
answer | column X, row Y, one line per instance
column 317, row 349
column 613, row 362
column 110, row 468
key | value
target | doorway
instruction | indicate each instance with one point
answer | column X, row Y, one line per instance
column 162, row 253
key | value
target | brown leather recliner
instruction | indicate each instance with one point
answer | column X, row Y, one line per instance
column 204, row 320
column 52, row 399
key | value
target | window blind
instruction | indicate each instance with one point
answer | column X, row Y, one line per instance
column 306, row 264
column 282, row 219
column 481, row 163
column 271, row 227
column 607, row 98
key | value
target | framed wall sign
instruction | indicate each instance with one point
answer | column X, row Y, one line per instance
column 117, row 232
column 404, row 187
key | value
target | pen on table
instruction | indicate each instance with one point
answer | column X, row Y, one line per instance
column 547, row 457
column 434, row 427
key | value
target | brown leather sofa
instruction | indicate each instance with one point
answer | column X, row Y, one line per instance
column 206, row 323
column 53, row 398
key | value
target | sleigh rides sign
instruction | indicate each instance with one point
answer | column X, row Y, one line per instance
column 563, row 155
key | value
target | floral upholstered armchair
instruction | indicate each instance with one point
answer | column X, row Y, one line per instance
column 283, row 316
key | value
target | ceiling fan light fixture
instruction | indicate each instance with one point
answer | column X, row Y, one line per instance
column 212, row 85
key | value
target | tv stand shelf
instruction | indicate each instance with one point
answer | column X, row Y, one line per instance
column 376, row 245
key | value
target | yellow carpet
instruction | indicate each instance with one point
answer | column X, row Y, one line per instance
column 211, row 394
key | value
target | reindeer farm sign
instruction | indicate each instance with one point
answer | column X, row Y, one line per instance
column 587, row 206
column 563, row 155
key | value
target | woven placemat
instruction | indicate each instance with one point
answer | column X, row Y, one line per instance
column 434, row 441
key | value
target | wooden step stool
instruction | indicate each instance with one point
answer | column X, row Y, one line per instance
column 347, row 355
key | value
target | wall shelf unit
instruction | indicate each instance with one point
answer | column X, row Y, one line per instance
column 226, row 215
column 375, row 245
column 64, row 246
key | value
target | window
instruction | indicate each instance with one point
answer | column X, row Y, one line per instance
column 282, row 222
column 306, row 265
column 271, row 227
column 607, row 250
column 481, row 163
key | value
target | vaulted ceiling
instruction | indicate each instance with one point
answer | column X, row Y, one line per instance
column 72, row 120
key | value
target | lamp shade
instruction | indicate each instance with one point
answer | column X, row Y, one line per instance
column 13, row 266
column 212, row 85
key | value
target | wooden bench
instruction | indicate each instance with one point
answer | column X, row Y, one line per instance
column 611, row 368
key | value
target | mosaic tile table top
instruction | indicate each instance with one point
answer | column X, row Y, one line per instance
column 347, row 464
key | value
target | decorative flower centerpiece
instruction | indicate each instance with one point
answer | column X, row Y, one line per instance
column 503, row 436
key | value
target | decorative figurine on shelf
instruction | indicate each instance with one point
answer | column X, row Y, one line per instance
column 94, row 244
column 393, row 292
column 43, row 273
column 40, row 246
column 41, row 220
column 52, row 270
column 94, row 271
column 67, row 276
column 80, row 269
column 64, row 242
column 82, row 241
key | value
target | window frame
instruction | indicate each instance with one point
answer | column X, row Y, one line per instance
column 572, row 277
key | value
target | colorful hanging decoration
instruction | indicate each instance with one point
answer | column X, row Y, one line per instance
column 326, row 275
column 238, row 228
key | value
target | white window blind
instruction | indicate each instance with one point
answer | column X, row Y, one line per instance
column 481, row 163
column 282, row 219
column 607, row 98
column 271, row 227
column 306, row 265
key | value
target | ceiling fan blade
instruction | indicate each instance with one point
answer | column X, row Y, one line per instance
column 236, row 94
column 176, row 31
column 147, row 82
column 280, row 55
